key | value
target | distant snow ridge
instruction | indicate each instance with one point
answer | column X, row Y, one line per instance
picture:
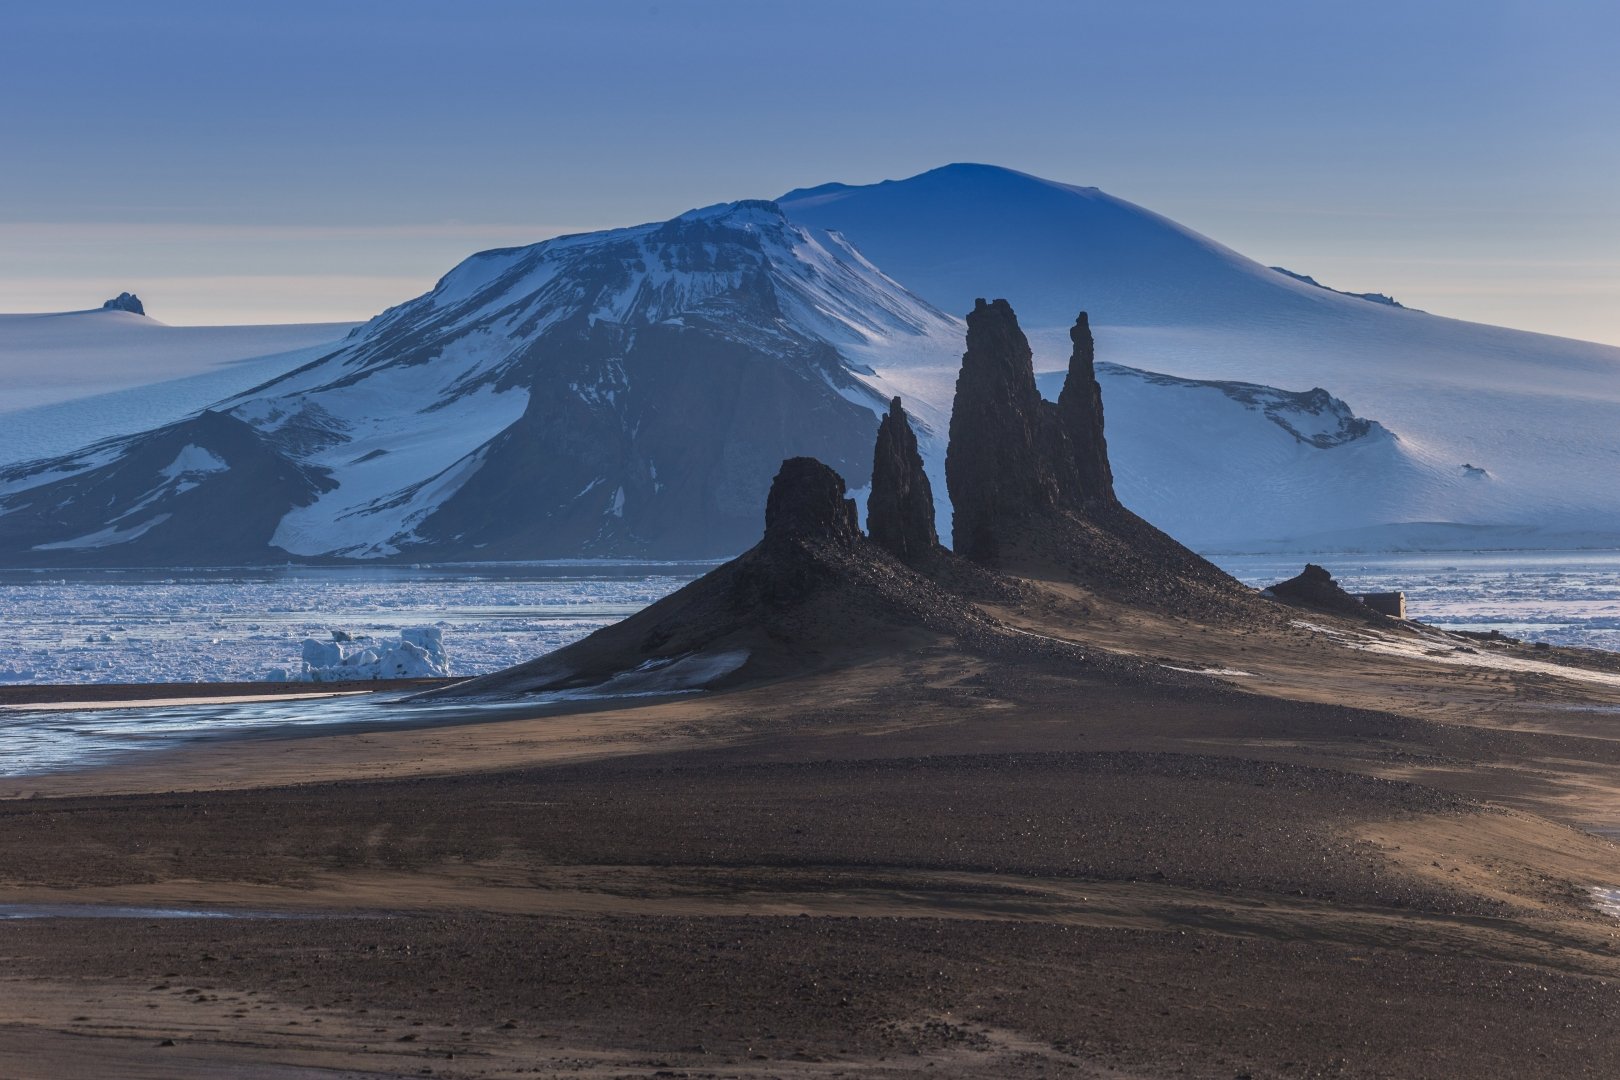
column 418, row 653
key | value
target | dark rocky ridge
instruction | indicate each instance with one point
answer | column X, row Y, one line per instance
column 175, row 496
column 900, row 508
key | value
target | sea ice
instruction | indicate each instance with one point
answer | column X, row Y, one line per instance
column 417, row 653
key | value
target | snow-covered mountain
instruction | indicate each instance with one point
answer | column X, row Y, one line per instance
column 631, row 393
column 627, row 393
column 1507, row 437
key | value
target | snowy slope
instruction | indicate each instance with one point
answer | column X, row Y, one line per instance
column 60, row 357
column 1536, row 413
column 46, row 431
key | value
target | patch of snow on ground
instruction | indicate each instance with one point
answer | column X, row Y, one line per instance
column 112, row 534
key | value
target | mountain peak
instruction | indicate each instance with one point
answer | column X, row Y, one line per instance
column 741, row 212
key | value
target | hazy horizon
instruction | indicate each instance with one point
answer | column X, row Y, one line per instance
column 341, row 161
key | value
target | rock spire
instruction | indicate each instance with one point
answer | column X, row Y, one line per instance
column 1080, row 412
column 997, row 466
column 900, row 509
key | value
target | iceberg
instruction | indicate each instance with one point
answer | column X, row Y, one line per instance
column 417, row 653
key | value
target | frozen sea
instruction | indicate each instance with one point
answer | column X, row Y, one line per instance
column 111, row 626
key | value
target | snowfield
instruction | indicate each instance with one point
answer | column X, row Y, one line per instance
column 1505, row 436
column 81, row 376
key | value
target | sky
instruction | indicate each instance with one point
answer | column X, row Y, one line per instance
column 297, row 162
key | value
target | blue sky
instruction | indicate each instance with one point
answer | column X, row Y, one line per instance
column 298, row 161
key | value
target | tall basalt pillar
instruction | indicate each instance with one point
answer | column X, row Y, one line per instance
column 996, row 467
column 900, row 508
column 1080, row 412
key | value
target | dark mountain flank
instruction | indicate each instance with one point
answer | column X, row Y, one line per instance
column 1032, row 489
column 171, row 497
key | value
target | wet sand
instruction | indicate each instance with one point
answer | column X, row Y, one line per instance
column 1343, row 864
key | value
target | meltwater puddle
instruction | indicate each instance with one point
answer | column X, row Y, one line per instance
column 110, row 911
column 53, row 739
column 34, row 742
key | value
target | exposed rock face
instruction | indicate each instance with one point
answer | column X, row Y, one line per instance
column 807, row 503
column 1080, row 412
column 998, row 466
column 900, row 509
column 125, row 302
column 173, row 498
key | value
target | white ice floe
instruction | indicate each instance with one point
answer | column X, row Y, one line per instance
column 418, row 653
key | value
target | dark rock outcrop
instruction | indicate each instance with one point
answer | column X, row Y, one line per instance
column 125, row 301
column 998, row 466
column 900, row 508
column 807, row 504
column 1080, row 413
column 1314, row 587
